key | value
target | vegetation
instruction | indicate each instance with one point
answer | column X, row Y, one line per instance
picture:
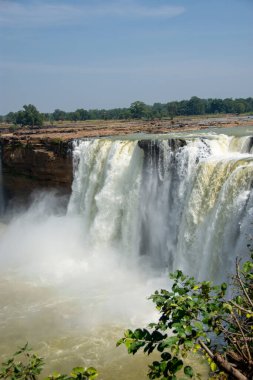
column 30, row 367
column 198, row 317
column 140, row 110
column 137, row 110
column 28, row 116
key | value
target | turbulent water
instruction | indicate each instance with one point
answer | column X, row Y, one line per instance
column 140, row 208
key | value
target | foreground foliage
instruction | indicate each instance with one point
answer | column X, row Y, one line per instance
column 29, row 366
column 197, row 317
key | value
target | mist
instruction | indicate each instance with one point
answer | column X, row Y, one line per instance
column 66, row 298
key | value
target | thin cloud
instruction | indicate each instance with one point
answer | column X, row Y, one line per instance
column 37, row 13
column 185, row 69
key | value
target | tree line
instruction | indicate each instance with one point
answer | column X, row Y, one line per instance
column 137, row 110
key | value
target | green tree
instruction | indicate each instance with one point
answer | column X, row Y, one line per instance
column 10, row 117
column 29, row 116
column 157, row 110
column 196, row 316
column 82, row 114
column 239, row 106
column 217, row 106
column 138, row 110
column 59, row 115
column 172, row 109
column 249, row 104
column 196, row 106
column 228, row 105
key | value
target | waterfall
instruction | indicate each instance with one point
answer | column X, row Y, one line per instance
column 1, row 185
column 173, row 203
column 140, row 207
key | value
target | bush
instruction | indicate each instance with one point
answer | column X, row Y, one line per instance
column 197, row 317
column 30, row 367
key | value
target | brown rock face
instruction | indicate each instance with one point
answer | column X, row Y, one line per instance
column 35, row 165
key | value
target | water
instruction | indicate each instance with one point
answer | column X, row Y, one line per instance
column 70, row 302
column 173, row 205
column 1, row 186
column 72, row 282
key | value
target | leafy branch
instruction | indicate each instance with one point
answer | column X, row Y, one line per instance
column 29, row 367
column 197, row 317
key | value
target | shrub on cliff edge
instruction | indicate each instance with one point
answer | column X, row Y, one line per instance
column 197, row 317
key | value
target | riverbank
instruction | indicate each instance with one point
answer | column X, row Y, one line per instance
column 67, row 131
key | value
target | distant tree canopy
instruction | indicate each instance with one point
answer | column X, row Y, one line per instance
column 28, row 116
column 140, row 110
column 137, row 110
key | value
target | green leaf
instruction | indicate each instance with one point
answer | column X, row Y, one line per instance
column 77, row 370
column 138, row 334
column 175, row 364
column 213, row 366
column 55, row 375
column 228, row 307
column 135, row 346
column 188, row 330
column 169, row 341
column 198, row 325
column 239, row 300
column 188, row 371
column 166, row 356
column 120, row 341
column 21, row 349
column 247, row 266
column 91, row 372
column 149, row 348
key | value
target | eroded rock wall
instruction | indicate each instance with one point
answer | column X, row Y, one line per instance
column 38, row 164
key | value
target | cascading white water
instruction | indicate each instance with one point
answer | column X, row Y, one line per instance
column 106, row 191
column 1, row 186
column 174, row 203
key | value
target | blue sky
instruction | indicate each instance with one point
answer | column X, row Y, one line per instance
column 73, row 54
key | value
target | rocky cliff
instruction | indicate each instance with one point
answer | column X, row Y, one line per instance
column 30, row 164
